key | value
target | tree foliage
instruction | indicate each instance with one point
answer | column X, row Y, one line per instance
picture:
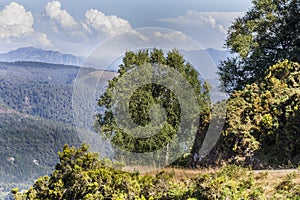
column 268, row 33
column 262, row 120
column 145, row 98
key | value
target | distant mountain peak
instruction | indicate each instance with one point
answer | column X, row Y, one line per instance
column 31, row 53
column 34, row 49
column 27, row 48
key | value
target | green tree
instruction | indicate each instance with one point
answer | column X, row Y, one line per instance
column 262, row 124
column 149, row 97
column 81, row 175
column 268, row 33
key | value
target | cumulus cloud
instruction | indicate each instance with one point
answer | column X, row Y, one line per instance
column 15, row 21
column 216, row 20
column 95, row 22
column 92, row 29
column 60, row 17
column 110, row 24
column 16, row 29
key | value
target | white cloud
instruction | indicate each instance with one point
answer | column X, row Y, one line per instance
column 40, row 40
column 15, row 21
column 88, row 32
column 171, row 36
column 95, row 23
column 110, row 25
column 94, row 28
column 60, row 17
column 216, row 20
column 16, row 29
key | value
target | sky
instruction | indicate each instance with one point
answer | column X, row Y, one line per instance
column 78, row 27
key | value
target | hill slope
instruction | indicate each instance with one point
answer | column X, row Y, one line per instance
column 37, row 119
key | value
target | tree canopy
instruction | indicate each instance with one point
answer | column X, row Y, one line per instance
column 149, row 97
column 266, row 34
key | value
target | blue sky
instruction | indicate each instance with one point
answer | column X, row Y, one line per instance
column 77, row 27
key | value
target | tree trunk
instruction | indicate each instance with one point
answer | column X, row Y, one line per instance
column 167, row 156
column 200, row 135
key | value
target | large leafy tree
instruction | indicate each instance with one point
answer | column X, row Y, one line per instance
column 268, row 33
column 145, row 99
column 262, row 125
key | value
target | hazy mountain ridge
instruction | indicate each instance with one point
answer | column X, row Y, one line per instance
column 40, row 55
column 205, row 59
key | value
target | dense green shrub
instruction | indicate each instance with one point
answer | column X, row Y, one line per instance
column 231, row 182
column 81, row 175
column 262, row 120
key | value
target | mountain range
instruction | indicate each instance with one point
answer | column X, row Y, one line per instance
column 40, row 55
column 206, row 60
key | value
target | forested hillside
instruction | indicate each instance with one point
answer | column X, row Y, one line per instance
column 36, row 120
column 29, row 146
column 39, row 89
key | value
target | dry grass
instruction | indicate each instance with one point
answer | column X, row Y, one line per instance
column 269, row 179
column 266, row 179
column 183, row 174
